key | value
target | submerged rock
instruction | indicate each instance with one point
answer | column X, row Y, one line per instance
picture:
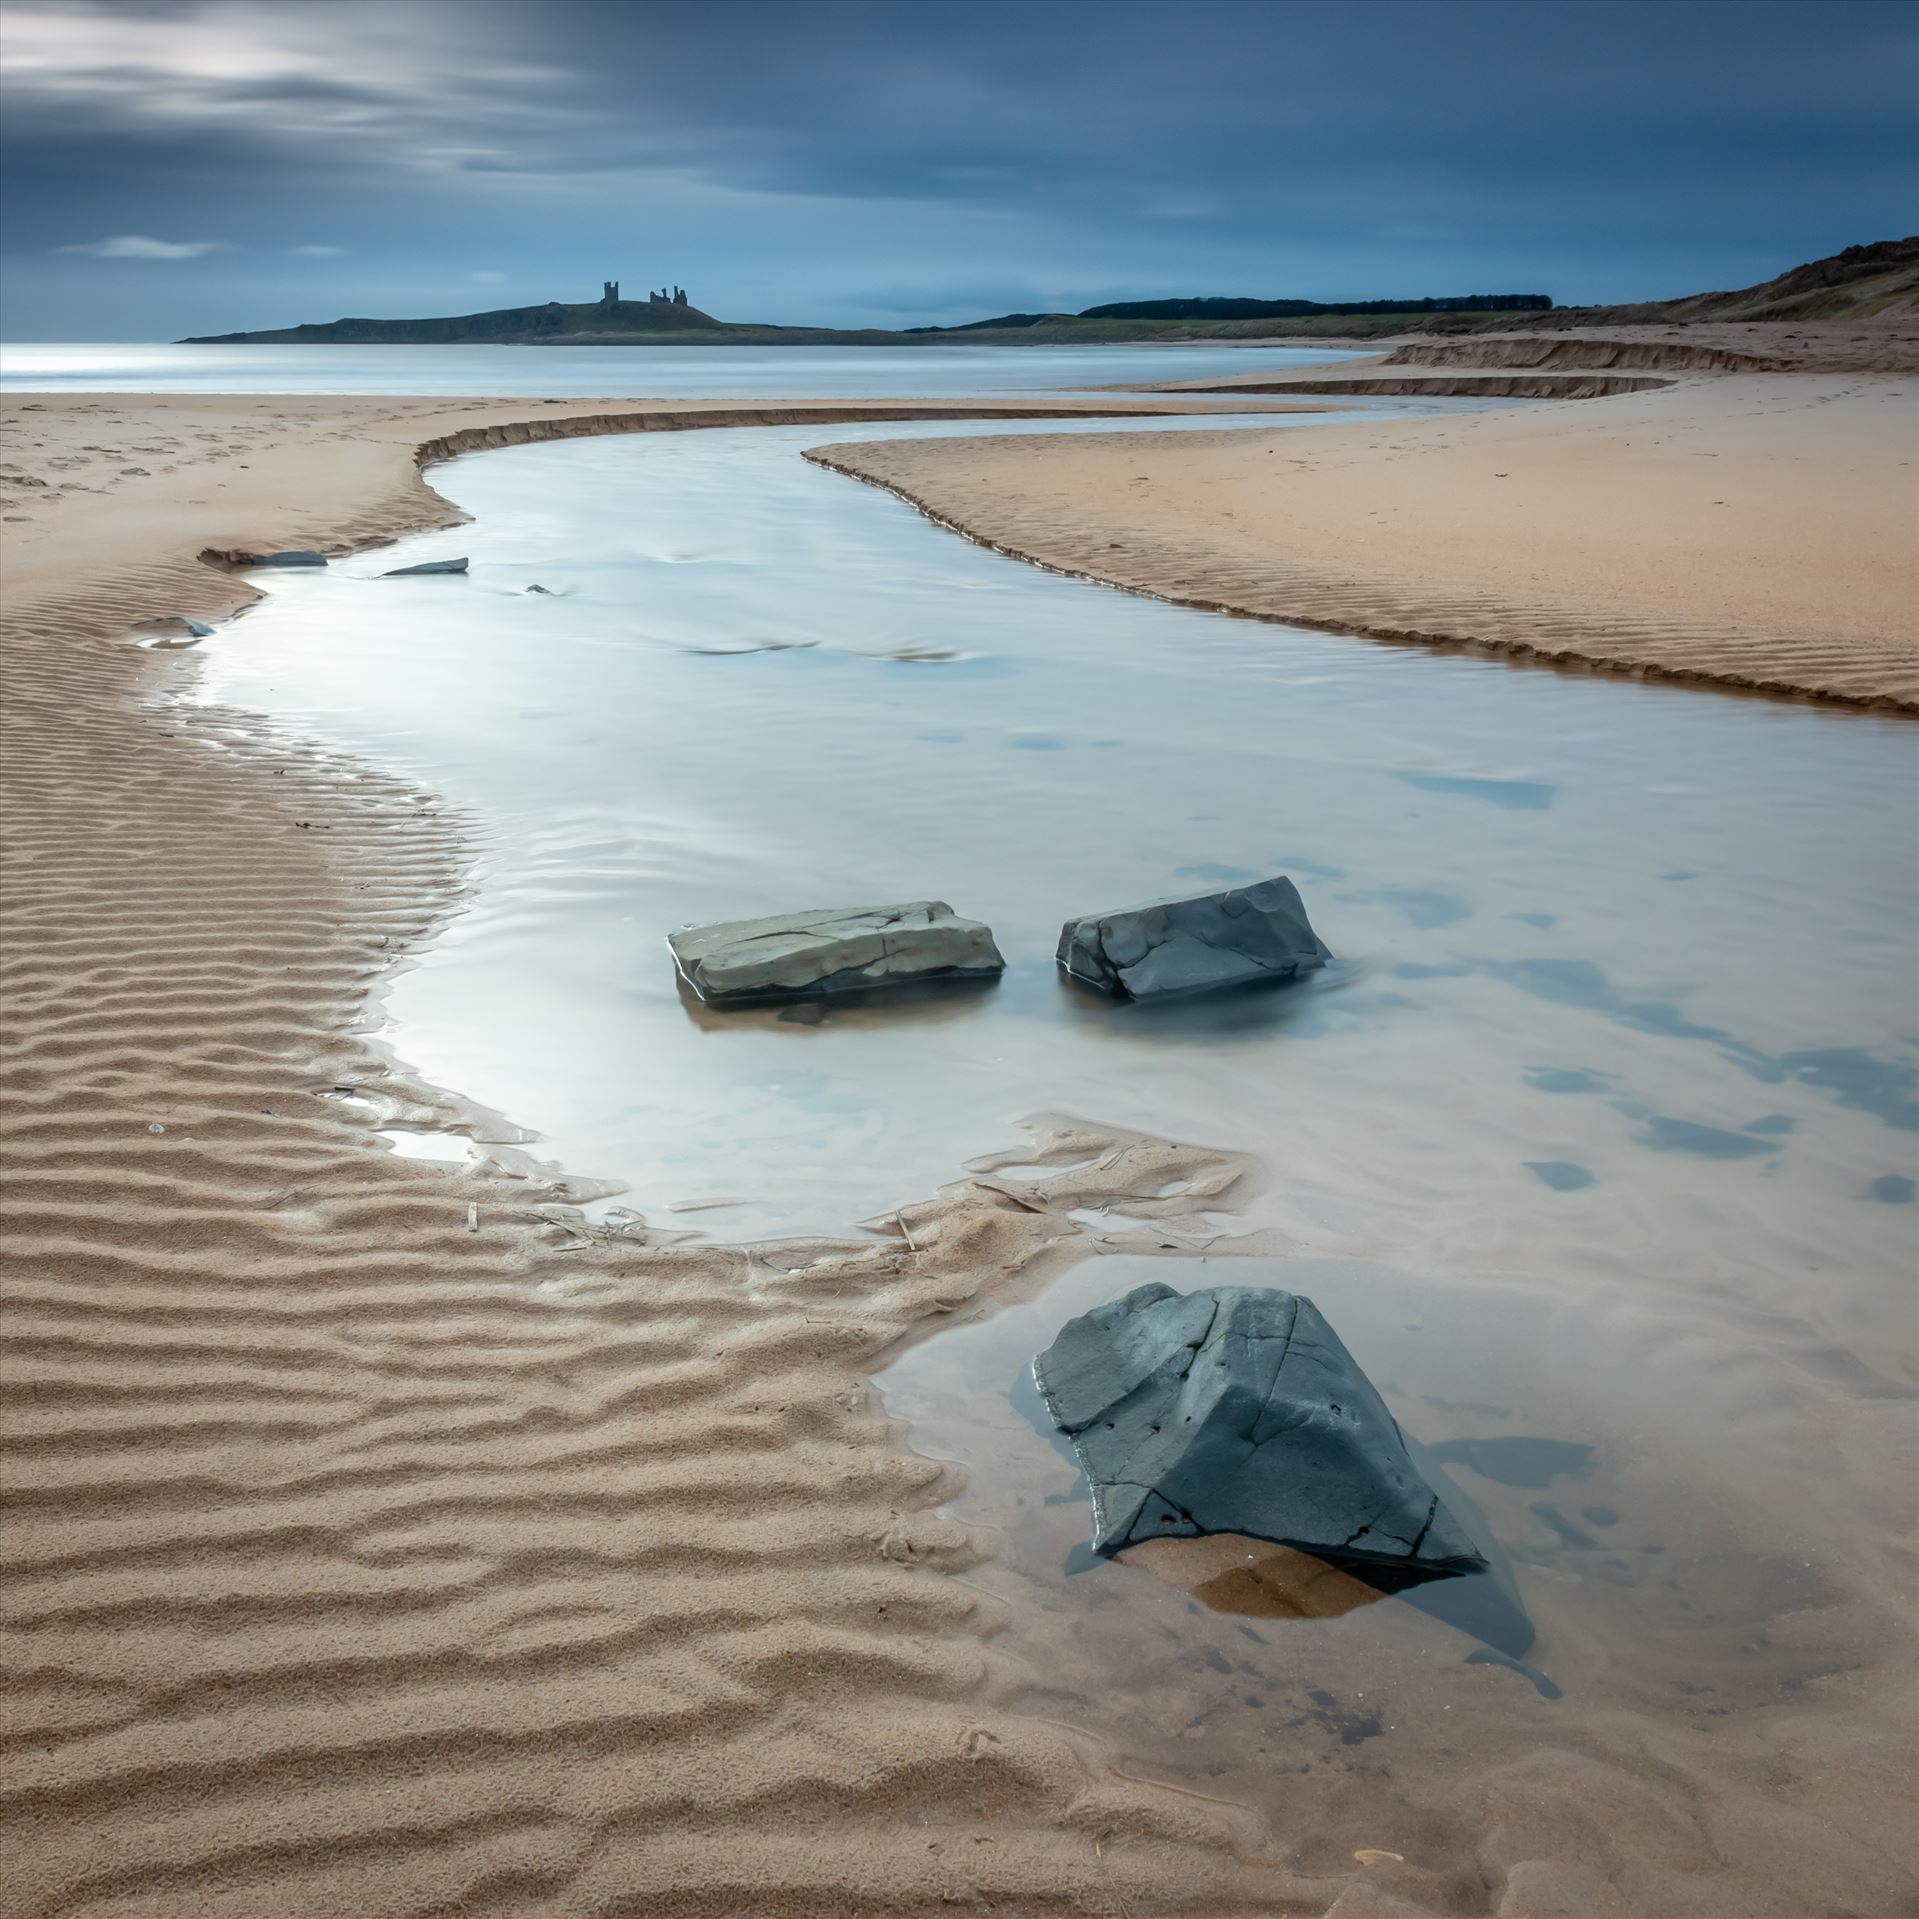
column 425, row 566
column 833, row 950
column 175, row 626
column 1236, row 1409
column 297, row 556
column 1234, row 938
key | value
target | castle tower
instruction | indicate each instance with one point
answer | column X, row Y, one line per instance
column 609, row 293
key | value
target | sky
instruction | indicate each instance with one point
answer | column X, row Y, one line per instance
column 179, row 166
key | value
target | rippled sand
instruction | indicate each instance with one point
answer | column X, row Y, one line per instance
column 379, row 1541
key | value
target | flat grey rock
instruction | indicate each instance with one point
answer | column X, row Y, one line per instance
column 1239, row 937
column 425, row 566
column 833, row 950
column 1236, row 1409
column 293, row 557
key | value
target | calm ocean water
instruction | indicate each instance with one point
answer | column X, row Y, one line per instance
column 849, row 372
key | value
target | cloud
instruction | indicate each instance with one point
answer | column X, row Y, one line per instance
column 382, row 80
column 316, row 253
column 138, row 246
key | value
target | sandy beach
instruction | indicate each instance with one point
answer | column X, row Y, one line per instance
column 385, row 1539
column 377, row 1544
column 1748, row 530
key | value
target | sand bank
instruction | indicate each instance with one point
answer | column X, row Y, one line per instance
column 377, row 1542
column 1747, row 530
column 380, row 1542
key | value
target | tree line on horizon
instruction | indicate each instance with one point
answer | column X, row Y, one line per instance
column 1226, row 308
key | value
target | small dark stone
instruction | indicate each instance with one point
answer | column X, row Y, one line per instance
column 295, row 557
column 425, row 566
column 1244, row 935
column 1543, row 1686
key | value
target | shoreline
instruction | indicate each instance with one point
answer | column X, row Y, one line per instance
column 738, row 1675
column 361, row 458
column 1395, row 532
column 244, row 1337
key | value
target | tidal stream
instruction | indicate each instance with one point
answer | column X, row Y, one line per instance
column 1596, row 1143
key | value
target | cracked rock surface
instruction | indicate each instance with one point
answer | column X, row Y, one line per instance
column 833, row 950
column 1235, row 938
column 1236, row 1409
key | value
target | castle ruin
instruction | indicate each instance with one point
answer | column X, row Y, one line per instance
column 665, row 297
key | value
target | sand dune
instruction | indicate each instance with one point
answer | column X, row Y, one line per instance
column 1747, row 531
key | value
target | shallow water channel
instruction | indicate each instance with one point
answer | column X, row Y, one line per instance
column 1598, row 1138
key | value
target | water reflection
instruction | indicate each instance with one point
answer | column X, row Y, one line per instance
column 1231, row 1574
column 1083, row 749
column 1512, row 796
column 906, row 1004
column 1607, row 1466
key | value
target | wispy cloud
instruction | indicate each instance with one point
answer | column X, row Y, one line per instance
column 316, row 253
column 140, row 246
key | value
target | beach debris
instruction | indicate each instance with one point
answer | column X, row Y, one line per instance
column 536, row 587
column 425, row 566
column 1235, row 1409
column 833, row 950
column 1378, row 1856
column 297, row 556
column 1246, row 934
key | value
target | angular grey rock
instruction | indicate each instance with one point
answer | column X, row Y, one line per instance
column 1235, row 1409
column 425, row 566
column 297, row 556
column 833, row 950
column 1245, row 934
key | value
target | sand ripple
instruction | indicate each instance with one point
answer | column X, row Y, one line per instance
column 360, row 1561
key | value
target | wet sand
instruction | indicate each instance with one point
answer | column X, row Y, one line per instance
column 377, row 1543
column 382, row 1540
column 1744, row 530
